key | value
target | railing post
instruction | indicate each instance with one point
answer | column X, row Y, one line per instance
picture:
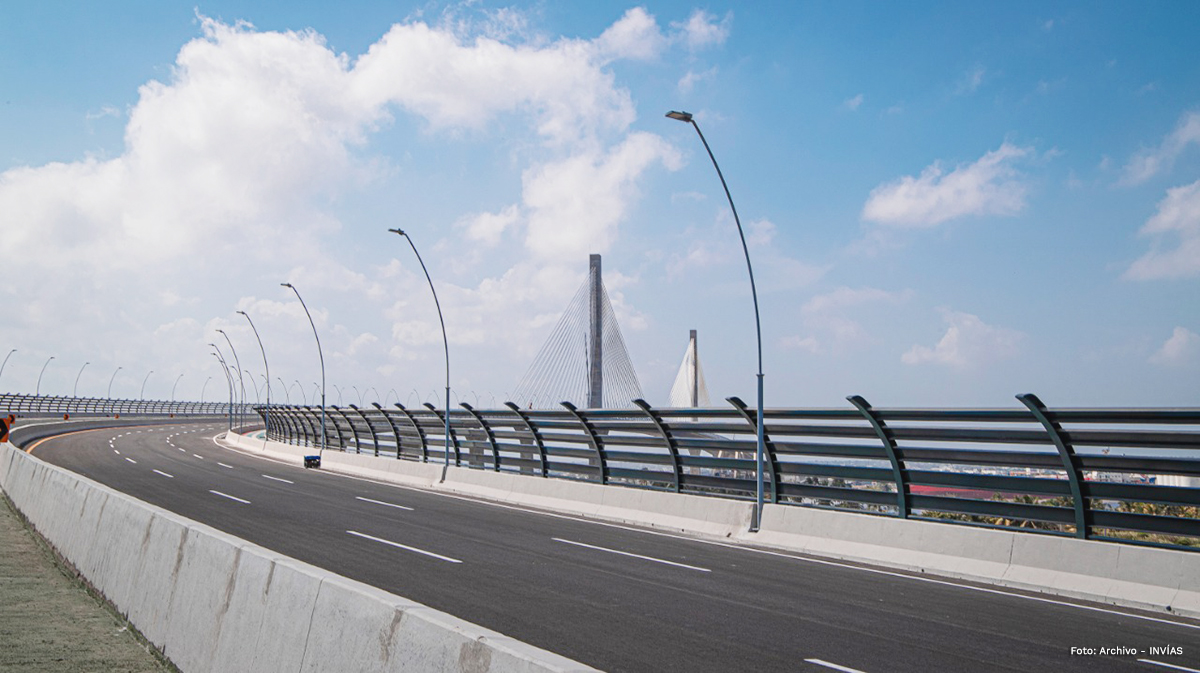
column 752, row 418
column 668, row 438
column 488, row 431
column 395, row 432
column 899, row 473
column 419, row 431
column 341, row 412
column 453, row 433
column 533, row 431
column 593, row 440
column 1070, row 463
column 374, row 436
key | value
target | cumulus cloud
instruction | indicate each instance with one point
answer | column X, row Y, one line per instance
column 853, row 103
column 576, row 204
column 1175, row 229
column 989, row 186
column 968, row 342
column 233, row 164
column 702, row 29
column 1149, row 162
column 1182, row 347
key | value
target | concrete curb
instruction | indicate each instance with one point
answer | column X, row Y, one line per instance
column 215, row 602
column 1165, row 580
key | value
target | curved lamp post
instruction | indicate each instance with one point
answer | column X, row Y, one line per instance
column 202, row 389
column 320, row 354
column 287, row 394
column 75, row 390
column 6, row 357
column 758, row 454
column 445, row 341
column 38, row 391
column 228, row 382
column 339, row 392
column 241, row 382
column 142, row 392
column 173, row 387
column 110, row 382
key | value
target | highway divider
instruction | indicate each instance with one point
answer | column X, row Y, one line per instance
column 1118, row 574
column 214, row 602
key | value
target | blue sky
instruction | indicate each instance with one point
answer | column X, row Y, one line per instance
column 947, row 203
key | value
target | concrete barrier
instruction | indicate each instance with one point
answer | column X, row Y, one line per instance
column 214, row 602
column 1144, row 577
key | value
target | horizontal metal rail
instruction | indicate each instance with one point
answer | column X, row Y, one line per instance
column 1128, row 475
column 48, row 405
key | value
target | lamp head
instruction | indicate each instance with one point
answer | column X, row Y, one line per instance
column 681, row 116
column 398, row 231
column 287, row 285
column 243, row 313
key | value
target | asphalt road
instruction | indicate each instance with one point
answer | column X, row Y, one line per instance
column 616, row 597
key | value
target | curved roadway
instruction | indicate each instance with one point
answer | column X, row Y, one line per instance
column 615, row 597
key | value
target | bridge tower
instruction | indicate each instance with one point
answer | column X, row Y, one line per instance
column 598, row 376
column 689, row 389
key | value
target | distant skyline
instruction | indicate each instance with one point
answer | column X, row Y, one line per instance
column 947, row 203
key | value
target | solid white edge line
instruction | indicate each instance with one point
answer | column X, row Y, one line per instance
column 826, row 664
column 168, row 476
column 278, row 479
column 404, row 546
column 380, row 502
column 716, row 543
column 631, row 554
column 231, row 497
column 131, row 460
column 1166, row 665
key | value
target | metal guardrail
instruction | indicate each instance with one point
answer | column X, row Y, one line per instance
column 1129, row 475
column 46, row 405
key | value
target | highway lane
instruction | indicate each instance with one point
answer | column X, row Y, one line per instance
column 615, row 597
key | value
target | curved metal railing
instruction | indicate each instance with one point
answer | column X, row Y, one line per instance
column 48, row 405
column 1131, row 475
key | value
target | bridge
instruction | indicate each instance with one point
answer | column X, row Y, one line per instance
column 894, row 539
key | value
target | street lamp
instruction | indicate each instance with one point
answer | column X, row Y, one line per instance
column 110, row 382
column 38, row 391
column 175, row 386
column 339, row 392
column 320, row 354
column 6, row 357
column 241, row 383
column 287, row 394
column 445, row 341
column 142, row 393
column 202, row 389
column 75, row 390
column 229, row 382
column 758, row 454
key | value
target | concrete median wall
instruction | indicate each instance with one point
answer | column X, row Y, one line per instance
column 1118, row 574
column 214, row 602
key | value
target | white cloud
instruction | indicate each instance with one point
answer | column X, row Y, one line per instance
column 635, row 36
column 689, row 80
column 971, row 81
column 967, row 343
column 487, row 228
column 1149, row 162
column 1182, row 347
column 853, row 103
column 576, row 205
column 1178, row 217
column 702, row 29
column 990, row 186
column 233, row 165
